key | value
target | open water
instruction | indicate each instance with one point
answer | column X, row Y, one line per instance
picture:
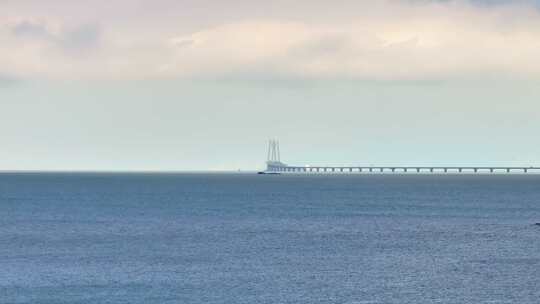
column 246, row 238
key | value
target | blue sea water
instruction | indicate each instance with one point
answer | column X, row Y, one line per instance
column 243, row 238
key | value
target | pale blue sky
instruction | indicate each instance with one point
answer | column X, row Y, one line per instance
column 202, row 85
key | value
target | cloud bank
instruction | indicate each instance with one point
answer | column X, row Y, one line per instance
column 388, row 40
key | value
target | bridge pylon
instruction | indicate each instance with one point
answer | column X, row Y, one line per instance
column 273, row 157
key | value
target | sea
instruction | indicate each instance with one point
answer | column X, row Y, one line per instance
column 246, row 238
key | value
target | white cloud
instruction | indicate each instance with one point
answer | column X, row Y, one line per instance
column 444, row 40
column 386, row 40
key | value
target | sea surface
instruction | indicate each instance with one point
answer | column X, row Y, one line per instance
column 246, row 238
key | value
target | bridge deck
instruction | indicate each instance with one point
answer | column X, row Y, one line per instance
column 403, row 169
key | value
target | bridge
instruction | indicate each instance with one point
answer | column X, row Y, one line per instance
column 274, row 165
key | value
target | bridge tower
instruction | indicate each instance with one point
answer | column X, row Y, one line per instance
column 273, row 162
column 273, row 151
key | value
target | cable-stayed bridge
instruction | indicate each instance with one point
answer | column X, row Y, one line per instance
column 275, row 166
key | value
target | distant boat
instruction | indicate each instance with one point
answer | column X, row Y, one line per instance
column 268, row 172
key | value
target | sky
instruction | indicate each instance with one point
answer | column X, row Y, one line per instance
column 173, row 85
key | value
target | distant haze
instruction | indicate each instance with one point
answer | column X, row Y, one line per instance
column 202, row 85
